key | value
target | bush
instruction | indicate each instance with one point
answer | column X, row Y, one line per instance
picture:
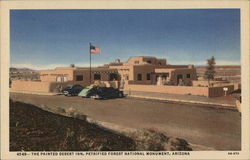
column 154, row 140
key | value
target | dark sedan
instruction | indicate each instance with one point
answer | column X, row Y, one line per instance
column 101, row 92
column 72, row 90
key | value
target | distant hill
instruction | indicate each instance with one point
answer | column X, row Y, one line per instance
column 23, row 74
column 12, row 69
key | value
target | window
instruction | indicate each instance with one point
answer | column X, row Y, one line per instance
column 148, row 76
column 65, row 79
column 97, row 77
column 149, row 62
column 139, row 77
column 136, row 62
column 165, row 75
column 59, row 79
column 77, row 87
column 188, row 76
column 126, row 77
column 113, row 76
column 79, row 78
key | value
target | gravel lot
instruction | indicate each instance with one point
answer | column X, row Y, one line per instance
column 216, row 128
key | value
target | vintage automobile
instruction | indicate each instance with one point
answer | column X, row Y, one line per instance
column 72, row 90
column 98, row 92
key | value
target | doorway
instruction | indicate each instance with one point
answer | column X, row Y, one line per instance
column 179, row 77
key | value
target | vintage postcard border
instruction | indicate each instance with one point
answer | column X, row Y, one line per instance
column 243, row 5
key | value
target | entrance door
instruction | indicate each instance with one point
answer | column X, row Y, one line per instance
column 179, row 76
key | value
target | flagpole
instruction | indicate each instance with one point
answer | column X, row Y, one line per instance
column 89, row 63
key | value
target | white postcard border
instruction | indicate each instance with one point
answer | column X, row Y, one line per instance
column 243, row 5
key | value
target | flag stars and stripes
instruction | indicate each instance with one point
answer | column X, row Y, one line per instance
column 94, row 50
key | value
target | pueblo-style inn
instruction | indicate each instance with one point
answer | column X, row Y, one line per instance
column 142, row 73
column 137, row 70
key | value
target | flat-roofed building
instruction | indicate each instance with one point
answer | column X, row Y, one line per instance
column 137, row 70
column 142, row 70
column 79, row 75
column 151, row 70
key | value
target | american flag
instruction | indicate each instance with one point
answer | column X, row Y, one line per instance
column 94, row 50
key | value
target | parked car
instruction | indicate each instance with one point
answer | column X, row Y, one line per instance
column 101, row 92
column 72, row 90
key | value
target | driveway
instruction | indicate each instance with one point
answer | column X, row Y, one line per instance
column 216, row 128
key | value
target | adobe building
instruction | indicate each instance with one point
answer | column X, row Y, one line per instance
column 78, row 75
column 151, row 70
column 137, row 70
column 141, row 73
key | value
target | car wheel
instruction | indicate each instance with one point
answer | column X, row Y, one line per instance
column 120, row 95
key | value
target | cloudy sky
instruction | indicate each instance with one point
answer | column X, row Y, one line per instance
column 43, row 39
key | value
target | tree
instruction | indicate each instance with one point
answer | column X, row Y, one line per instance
column 72, row 65
column 210, row 69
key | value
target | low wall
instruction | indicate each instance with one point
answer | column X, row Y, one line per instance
column 218, row 91
column 55, row 87
column 29, row 86
column 184, row 90
column 212, row 83
column 37, row 86
column 237, row 86
column 200, row 91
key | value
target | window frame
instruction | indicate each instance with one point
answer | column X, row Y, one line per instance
column 98, row 75
column 139, row 75
column 77, row 77
column 148, row 75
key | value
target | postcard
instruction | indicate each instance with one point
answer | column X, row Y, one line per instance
column 125, row 79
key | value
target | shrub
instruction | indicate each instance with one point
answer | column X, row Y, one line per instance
column 154, row 140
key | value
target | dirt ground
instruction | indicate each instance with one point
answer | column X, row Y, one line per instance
column 33, row 129
column 216, row 128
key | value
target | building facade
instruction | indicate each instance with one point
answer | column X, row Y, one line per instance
column 78, row 75
column 143, row 73
column 137, row 70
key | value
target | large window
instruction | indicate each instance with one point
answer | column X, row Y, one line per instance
column 79, row 78
column 148, row 76
column 188, row 75
column 97, row 77
column 139, row 77
column 113, row 76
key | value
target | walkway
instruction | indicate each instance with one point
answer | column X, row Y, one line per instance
column 224, row 102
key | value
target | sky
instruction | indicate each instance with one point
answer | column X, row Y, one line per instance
column 42, row 39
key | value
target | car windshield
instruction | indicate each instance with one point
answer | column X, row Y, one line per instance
column 85, row 91
column 68, row 87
